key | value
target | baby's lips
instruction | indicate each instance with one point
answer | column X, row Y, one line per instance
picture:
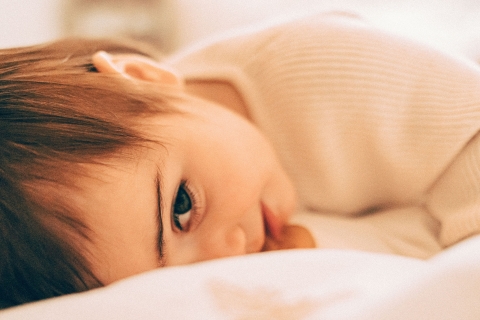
column 273, row 223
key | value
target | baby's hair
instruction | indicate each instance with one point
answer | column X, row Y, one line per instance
column 57, row 113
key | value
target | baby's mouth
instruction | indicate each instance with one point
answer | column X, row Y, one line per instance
column 281, row 237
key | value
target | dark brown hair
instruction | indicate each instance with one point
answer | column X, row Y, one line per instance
column 56, row 112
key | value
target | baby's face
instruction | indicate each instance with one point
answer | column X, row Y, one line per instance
column 212, row 189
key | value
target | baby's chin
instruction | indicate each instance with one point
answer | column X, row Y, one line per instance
column 292, row 237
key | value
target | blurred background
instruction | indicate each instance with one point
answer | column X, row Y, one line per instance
column 171, row 24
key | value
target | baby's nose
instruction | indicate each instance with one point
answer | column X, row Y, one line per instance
column 225, row 243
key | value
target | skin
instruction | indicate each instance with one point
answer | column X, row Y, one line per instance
column 229, row 170
column 292, row 237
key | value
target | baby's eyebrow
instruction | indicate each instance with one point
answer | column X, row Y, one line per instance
column 160, row 240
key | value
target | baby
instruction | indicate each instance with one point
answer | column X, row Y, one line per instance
column 109, row 169
column 113, row 163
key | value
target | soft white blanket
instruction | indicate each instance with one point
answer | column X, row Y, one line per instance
column 297, row 284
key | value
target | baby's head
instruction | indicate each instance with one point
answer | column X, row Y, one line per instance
column 108, row 169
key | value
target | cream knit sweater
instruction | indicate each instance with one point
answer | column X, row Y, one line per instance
column 378, row 133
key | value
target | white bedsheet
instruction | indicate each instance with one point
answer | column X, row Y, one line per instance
column 297, row 284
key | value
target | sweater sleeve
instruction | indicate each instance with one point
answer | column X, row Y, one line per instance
column 455, row 197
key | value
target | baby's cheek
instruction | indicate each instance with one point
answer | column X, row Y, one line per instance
column 293, row 237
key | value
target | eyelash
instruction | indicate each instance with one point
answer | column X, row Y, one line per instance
column 193, row 197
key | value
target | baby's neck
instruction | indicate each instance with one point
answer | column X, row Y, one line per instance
column 220, row 92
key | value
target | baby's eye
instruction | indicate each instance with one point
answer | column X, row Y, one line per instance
column 182, row 208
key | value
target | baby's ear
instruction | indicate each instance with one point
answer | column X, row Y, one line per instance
column 135, row 66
